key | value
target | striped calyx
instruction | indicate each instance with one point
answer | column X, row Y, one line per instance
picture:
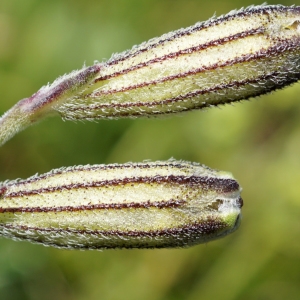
column 243, row 54
column 240, row 55
column 134, row 205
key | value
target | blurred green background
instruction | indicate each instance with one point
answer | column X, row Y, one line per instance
column 258, row 141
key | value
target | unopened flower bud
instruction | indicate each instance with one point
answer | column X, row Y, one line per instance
column 134, row 205
column 243, row 54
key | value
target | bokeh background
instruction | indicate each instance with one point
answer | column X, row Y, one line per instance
column 258, row 141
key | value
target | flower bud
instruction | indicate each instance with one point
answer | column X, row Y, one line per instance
column 237, row 56
column 243, row 54
column 134, row 205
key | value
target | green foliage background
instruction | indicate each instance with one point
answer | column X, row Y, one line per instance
column 258, row 141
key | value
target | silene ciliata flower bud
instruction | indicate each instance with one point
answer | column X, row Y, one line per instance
column 134, row 205
column 243, row 54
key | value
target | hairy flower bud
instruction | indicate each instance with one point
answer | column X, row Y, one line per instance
column 243, row 54
column 240, row 55
column 134, row 205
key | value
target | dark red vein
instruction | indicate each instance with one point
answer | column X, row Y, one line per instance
column 214, row 43
column 203, row 25
column 39, row 209
column 88, row 168
column 206, row 183
column 209, row 226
